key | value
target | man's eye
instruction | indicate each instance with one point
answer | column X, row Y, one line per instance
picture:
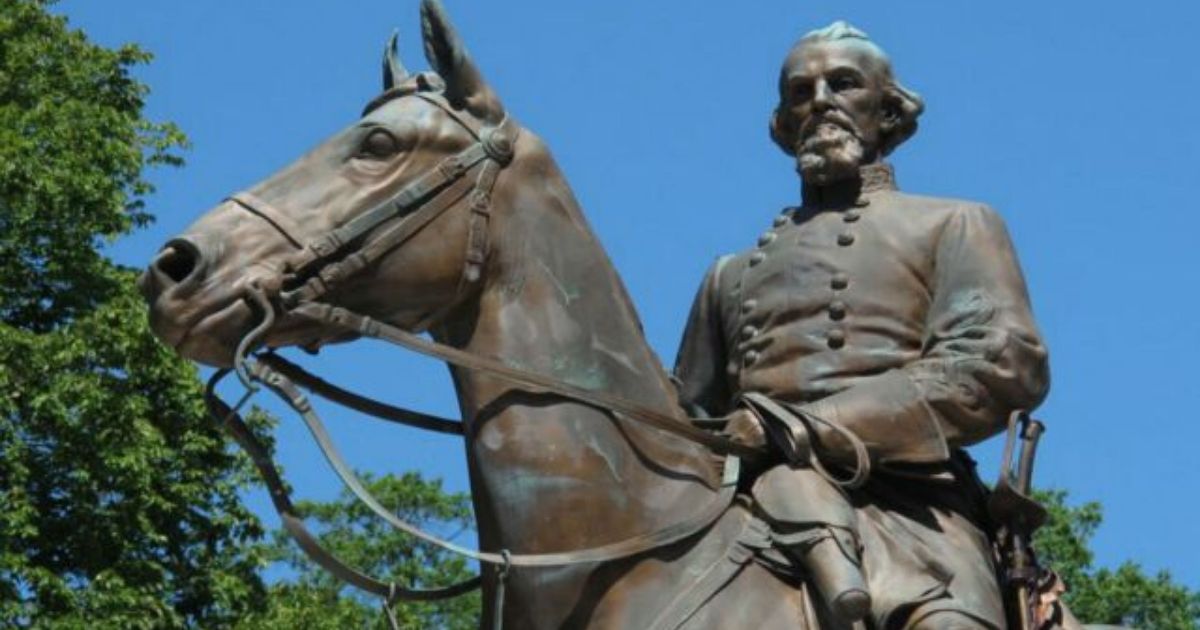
column 841, row 84
column 379, row 144
column 801, row 91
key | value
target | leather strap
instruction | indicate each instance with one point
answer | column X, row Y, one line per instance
column 362, row 404
column 446, row 182
column 450, row 187
column 477, row 225
column 283, row 386
column 363, row 325
column 334, row 273
column 282, row 222
column 281, row 499
column 754, row 535
column 785, row 424
column 440, row 101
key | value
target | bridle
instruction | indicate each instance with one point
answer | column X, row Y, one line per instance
column 316, row 269
column 320, row 265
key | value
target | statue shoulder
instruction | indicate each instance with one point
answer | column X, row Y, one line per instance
column 947, row 205
column 723, row 271
column 944, row 210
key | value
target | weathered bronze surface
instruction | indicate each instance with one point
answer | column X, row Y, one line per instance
column 871, row 334
column 902, row 319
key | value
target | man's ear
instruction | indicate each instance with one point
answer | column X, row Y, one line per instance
column 465, row 86
column 901, row 108
column 783, row 132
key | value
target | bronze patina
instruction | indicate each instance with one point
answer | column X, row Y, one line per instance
column 509, row 270
column 848, row 358
column 868, row 319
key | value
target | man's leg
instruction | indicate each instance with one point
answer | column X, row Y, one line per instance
column 814, row 525
column 924, row 556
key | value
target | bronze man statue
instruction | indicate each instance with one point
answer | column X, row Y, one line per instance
column 869, row 318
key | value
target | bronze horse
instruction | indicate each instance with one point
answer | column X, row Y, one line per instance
column 519, row 278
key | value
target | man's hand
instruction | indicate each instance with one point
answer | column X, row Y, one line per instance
column 744, row 428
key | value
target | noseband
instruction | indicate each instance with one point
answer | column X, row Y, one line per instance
column 320, row 265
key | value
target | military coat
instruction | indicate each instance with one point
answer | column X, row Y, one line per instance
column 906, row 320
column 900, row 317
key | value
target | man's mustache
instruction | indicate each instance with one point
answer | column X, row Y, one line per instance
column 832, row 117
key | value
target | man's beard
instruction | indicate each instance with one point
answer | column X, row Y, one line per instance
column 828, row 151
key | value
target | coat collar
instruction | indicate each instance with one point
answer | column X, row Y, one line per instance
column 878, row 176
column 871, row 178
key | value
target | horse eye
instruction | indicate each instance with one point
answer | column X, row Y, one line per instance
column 379, row 144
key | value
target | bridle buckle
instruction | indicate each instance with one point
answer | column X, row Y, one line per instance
column 497, row 144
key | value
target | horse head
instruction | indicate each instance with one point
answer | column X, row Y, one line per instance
column 281, row 235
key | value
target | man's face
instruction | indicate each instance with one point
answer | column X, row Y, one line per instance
column 833, row 92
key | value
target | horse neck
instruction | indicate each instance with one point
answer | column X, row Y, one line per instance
column 553, row 304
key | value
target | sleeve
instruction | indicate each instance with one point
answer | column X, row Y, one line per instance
column 700, row 364
column 982, row 358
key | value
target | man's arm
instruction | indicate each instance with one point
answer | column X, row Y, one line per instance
column 982, row 358
column 700, row 364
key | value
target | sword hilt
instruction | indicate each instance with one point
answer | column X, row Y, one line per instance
column 1031, row 431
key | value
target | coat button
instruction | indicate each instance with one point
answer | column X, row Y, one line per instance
column 766, row 239
column 781, row 220
column 850, row 216
column 862, row 202
column 748, row 332
column 750, row 357
column 839, row 281
column 836, row 338
column 837, row 310
column 756, row 258
column 749, row 305
column 845, row 239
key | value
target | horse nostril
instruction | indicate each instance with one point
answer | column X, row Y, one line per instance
column 179, row 260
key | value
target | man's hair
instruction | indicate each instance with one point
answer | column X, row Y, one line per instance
column 901, row 106
column 840, row 29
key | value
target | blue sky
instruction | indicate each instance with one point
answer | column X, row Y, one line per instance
column 1074, row 119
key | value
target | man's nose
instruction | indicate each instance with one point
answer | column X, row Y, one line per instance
column 822, row 96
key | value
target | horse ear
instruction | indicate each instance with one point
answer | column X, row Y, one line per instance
column 394, row 72
column 465, row 86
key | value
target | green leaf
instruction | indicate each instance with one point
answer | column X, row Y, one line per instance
column 1126, row 596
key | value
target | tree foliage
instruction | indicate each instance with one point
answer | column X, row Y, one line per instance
column 1124, row 596
column 315, row 599
column 73, row 148
column 120, row 498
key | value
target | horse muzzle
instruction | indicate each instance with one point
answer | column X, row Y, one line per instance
column 201, row 317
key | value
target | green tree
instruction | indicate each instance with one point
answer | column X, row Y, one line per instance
column 120, row 497
column 314, row 599
column 1125, row 596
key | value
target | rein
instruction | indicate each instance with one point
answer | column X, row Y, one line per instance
column 316, row 269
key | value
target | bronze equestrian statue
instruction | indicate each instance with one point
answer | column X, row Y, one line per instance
column 870, row 335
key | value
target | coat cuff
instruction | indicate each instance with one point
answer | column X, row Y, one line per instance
column 889, row 414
